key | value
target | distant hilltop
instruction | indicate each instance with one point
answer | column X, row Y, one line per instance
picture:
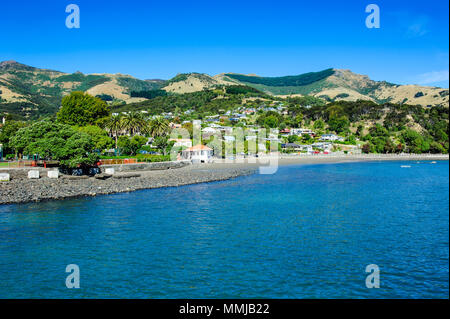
column 30, row 91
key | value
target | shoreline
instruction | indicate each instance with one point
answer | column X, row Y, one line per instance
column 20, row 191
column 331, row 159
column 23, row 190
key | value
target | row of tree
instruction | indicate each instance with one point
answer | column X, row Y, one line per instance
column 82, row 129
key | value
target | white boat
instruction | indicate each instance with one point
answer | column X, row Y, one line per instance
column 405, row 166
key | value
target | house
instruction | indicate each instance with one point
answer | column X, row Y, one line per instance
column 198, row 154
column 327, row 147
column 331, row 137
column 229, row 138
column 249, row 111
column 301, row 131
column 291, row 146
column 297, row 147
column 174, row 125
column 182, row 142
column 285, row 131
column 208, row 131
column 226, row 129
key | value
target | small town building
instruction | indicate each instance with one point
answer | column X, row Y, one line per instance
column 182, row 142
column 331, row 137
column 198, row 154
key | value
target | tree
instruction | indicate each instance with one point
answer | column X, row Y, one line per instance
column 366, row 148
column 379, row 143
column 352, row 139
column 389, row 147
column 99, row 137
column 6, row 132
column 319, row 124
column 163, row 144
column 189, row 127
column 130, row 146
column 436, row 148
column 339, row 124
column 159, row 127
column 415, row 142
column 136, row 143
column 57, row 142
column 271, row 121
column 293, row 138
column 306, row 138
column 124, row 145
column 81, row 109
column 133, row 122
column 359, row 130
column 114, row 125
column 298, row 120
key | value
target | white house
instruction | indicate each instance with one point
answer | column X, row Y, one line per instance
column 229, row 138
column 331, row 137
column 198, row 154
column 301, row 131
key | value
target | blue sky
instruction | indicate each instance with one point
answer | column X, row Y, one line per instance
column 158, row 39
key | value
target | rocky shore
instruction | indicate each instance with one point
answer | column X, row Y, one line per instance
column 22, row 190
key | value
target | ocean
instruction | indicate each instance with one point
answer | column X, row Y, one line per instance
column 308, row 231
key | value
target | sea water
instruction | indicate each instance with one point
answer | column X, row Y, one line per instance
column 308, row 231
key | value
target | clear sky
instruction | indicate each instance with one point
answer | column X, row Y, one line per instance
column 158, row 39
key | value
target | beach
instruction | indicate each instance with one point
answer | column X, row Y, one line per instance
column 21, row 189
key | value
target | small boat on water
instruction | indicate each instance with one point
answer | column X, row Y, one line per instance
column 405, row 166
column 433, row 162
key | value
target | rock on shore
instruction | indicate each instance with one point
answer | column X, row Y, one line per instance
column 21, row 190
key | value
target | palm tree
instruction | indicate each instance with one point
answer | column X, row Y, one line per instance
column 133, row 122
column 159, row 127
column 114, row 125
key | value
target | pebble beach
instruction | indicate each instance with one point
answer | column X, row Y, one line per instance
column 20, row 189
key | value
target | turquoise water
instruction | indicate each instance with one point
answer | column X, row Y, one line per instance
column 306, row 232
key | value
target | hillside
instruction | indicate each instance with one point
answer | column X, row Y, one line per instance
column 336, row 85
column 30, row 92
column 192, row 82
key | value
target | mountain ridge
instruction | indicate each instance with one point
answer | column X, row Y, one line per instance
column 30, row 91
